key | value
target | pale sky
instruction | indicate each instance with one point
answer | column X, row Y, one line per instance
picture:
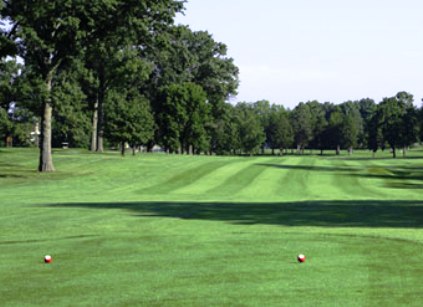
column 330, row 50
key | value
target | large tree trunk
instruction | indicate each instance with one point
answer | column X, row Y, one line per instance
column 350, row 150
column 95, row 124
column 100, row 127
column 394, row 152
column 338, row 150
column 122, row 148
column 46, row 159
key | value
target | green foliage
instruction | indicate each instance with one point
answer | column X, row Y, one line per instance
column 182, row 55
column 367, row 109
column 71, row 123
column 319, row 124
column 16, row 121
column 251, row 132
column 301, row 121
column 226, row 137
column 279, row 132
column 352, row 126
column 183, row 116
column 129, row 119
column 398, row 121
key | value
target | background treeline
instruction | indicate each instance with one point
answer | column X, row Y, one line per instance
column 107, row 73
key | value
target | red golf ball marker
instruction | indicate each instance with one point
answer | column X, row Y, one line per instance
column 48, row 259
column 301, row 258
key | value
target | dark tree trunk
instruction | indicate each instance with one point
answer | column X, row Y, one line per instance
column 122, row 148
column 394, row 152
column 46, row 159
column 338, row 150
column 321, row 152
column 273, row 151
column 95, row 125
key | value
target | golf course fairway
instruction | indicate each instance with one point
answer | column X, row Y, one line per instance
column 173, row 230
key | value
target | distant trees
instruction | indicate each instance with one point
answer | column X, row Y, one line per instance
column 397, row 119
column 279, row 132
column 251, row 133
column 301, row 121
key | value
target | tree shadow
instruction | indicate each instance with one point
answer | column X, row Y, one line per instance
column 351, row 158
column 363, row 213
column 11, row 176
column 312, row 167
column 397, row 177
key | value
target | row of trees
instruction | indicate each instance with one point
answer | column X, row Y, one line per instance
column 106, row 72
column 394, row 123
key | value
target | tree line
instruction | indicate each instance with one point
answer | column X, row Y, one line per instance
column 103, row 73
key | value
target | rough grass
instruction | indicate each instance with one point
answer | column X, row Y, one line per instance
column 182, row 231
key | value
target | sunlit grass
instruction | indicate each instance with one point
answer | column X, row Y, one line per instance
column 179, row 230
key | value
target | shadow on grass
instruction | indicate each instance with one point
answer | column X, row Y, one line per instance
column 11, row 176
column 312, row 167
column 396, row 177
column 398, row 214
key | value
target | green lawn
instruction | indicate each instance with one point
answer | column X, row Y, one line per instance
column 162, row 230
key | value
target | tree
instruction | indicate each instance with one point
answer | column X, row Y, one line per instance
column 391, row 114
column 129, row 119
column 71, row 120
column 279, row 132
column 333, row 133
column 183, row 115
column 301, row 121
column 319, row 124
column 251, row 132
column 352, row 125
column 227, row 138
column 182, row 55
column 374, row 134
column 47, row 35
column 15, row 121
column 367, row 108
column 409, row 129
column 263, row 111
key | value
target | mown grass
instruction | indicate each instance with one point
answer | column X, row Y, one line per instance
column 198, row 231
